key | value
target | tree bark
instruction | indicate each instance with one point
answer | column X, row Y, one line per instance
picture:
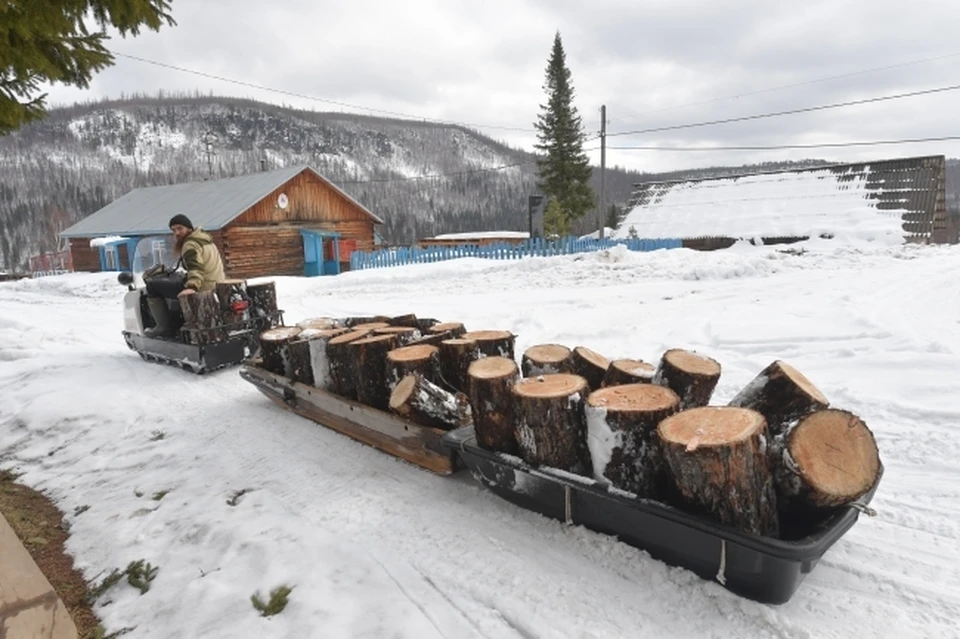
column 343, row 375
column 628, row 371
column 422, row 359
column 782, row 394
column 234, row 301
column 369, row 326
column 453, row 329
column 421, row 401
column 546, row 359
column 622, row 436
column 303, row 349
column 590, row 365
column 359, row 322
column 405, row 334
column 492, row 403
column 275, row 349
column 370, row 360
column 322, row 323
column 409, row 320
column 551, row 426
column 263, row 299
column 493, row 343
column 456, row 355
column 717, row 460
column 827, row 459
column 201, row 312
column 690, row 375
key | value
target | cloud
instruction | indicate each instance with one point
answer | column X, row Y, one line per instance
column 653, row 64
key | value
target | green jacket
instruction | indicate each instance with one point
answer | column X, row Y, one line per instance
column 202, row 260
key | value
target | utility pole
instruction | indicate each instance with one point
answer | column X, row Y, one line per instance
column 208, row 139
column 603, row 167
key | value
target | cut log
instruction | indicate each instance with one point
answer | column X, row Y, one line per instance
column 263, row 299
column 201, row 312
column 493, row 343
column 492, row 402
column 424, row 323
column 782, row 394
column 409, row 320
column 423, row 402
column 453, row 329
column 356, row 321
column 369, row 326
column 275, row 349
column 303, row 350
column 369, row 355
column 422, row 359
column 622, row 436
column 828, row 459
column 690, row 375
column 628, row 371
column 716, row 458
column 234, row 301
column 432, row 339
column 343, row 376
column 545, row 359
column 590, row 365
column 551, row 426
column 405, row 334
column 456, row 355
column 322, row 323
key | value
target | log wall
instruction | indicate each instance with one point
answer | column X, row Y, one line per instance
column 84, row 258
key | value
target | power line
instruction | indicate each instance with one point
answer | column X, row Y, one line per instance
column 316, row 99
column 760, row 116
column 777, row 147
column 794, row 85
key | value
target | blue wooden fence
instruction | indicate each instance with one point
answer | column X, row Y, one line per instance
column 536, row 247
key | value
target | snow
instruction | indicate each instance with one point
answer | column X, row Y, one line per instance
column 809, row 203
column 480, row 235
column 97, row 242
column 377, row 547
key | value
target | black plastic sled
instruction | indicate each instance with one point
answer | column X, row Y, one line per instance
column 760, row 568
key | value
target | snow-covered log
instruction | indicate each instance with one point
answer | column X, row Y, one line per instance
column 422, row 359
column 628, row 371
column 716, row 459
column 826, row 459
column 493, row 343
column 621, row 435
column 782, row 394
column 405, row 334
column 546, row 359
column 453, row 329
column 456, row 355
column 343, row 375
column 491, row 381
column 263, row 299
column 275, row 349
column 369, row 357
column 551, row 428
column 690, row 375
column 303, row 350
column 590, row 365
column 201, row 312
column 423, row 402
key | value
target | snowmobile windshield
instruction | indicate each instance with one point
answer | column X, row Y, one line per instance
column 151, row 251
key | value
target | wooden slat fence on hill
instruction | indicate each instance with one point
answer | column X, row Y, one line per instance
column 537, row 247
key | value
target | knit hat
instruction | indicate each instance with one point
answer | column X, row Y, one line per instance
column 182, row 220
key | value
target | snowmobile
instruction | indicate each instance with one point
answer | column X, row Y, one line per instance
column 199, row 350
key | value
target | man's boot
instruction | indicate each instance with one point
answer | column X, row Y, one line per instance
column 161, row 317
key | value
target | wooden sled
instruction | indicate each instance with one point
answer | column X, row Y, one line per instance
column 387, row 432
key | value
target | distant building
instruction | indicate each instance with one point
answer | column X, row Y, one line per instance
column 891, row 201
column 291, row 221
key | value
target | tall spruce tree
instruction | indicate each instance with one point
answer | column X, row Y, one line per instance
column 49, row 41
column 563, row 168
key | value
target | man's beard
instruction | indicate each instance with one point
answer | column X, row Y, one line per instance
column 178, row 246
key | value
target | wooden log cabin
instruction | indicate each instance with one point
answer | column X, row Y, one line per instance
column 291, row 221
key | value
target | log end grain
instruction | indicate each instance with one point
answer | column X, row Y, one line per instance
column 710, row 426
column 555, row 385
column 491, row 367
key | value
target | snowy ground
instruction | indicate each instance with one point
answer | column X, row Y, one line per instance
column 375, row 547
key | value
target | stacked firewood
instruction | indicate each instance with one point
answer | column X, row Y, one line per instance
column 775, row 456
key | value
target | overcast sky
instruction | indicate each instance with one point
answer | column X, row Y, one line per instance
column 653, row 63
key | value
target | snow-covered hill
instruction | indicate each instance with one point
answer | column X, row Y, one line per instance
column 375, row 547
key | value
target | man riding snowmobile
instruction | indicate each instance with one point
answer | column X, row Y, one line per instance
column 204, row 268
